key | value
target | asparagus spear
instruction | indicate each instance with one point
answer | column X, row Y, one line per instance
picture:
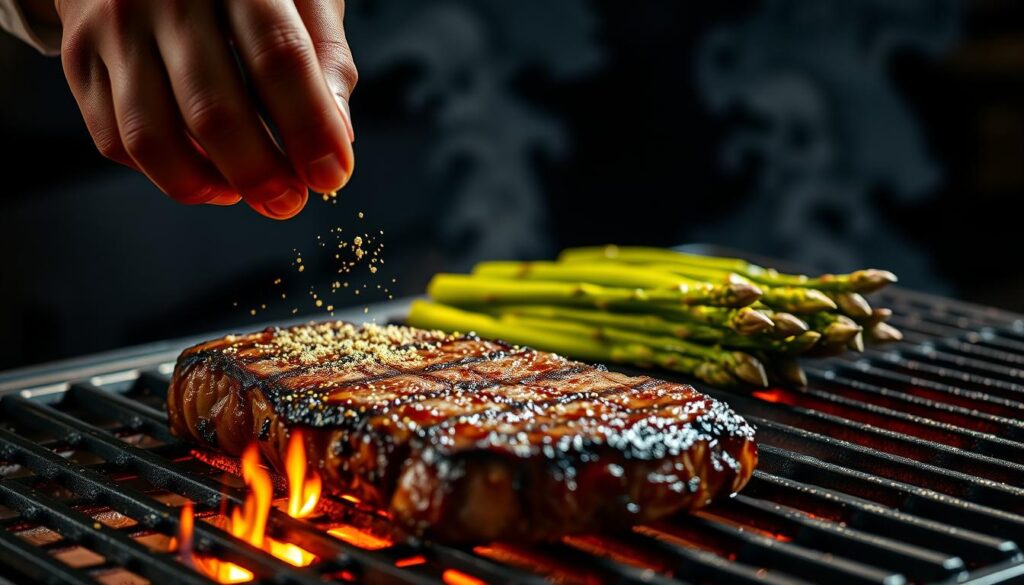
column 745, row 320
column 782, row 298
column 741, row 365
column 784, row 324
column 853, row 305
column 837, row 332
column 464, row 289
column 726, row 294
column 859, row 281
column 437, row 316
column 878, row 315
column 658, row 326
column 882, row 332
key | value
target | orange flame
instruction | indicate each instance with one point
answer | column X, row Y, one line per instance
column 222, row 571
column 249, row 521
column 303, row 489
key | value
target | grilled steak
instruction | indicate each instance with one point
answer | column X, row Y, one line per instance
column 460, row 438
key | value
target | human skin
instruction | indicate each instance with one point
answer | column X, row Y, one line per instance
column 172, row 88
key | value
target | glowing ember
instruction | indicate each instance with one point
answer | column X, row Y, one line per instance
column 353, row 535
column 453, row 577
column 410, row 561
column 290, row 553
column 303, row 489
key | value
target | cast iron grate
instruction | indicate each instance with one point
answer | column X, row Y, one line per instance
column 902, row 465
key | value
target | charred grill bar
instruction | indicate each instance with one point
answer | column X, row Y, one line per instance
column 898, row 465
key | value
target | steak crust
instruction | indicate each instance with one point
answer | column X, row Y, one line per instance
column 462, row 439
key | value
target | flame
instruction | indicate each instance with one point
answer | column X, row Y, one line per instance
column 248, row 522
column 222, row 571
column 303, row 489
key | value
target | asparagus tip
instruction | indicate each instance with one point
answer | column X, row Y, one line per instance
column 857, row 342
column 818, row 301
column 841, row 332
column 787, row 324
column 854, row 305
column 749, row 321
column 883, row 332
column 872, row 279
column 750, row 369
column 743, row 293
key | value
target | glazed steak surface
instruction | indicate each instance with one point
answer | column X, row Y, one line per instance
column 460, row 438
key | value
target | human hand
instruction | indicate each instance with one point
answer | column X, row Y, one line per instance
column 162, row 92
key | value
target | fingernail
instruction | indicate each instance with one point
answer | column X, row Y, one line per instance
column 326, row 173
column 346, row 114
column 286, row 204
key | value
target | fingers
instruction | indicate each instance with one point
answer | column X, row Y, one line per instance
column 153, row 133
column 325, row 23
column 278, row 53
column 220, row 115
column 90, row 86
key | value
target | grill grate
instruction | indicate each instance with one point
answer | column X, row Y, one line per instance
column 904, row 465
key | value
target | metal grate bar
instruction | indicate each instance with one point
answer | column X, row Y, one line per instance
column 952, row 363
column 971, row 346
column 837, row 506
column 886, row 465
column 160, row 473
column 869, row 435
column 914, row 499
column 832, row 537
column 941, row 411
column 973, row 387
column 124, row 409
column 762, row 551
column 146, row 510
column 704, row 566
column 908, row 385
column 24, row 558
column 82, row 530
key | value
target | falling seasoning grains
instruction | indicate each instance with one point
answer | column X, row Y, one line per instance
column 252, row 312
column 363, row 247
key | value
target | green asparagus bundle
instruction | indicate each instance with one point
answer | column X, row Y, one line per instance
column 724, row 321
column 863, row 281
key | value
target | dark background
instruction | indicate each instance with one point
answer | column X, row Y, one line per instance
column 840, row 134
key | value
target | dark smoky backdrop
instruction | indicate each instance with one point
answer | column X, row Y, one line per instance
column 837, row 134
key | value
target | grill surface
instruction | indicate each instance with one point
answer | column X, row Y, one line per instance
column 902, row 465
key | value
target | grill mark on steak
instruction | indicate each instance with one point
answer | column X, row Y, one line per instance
column 472, row 440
